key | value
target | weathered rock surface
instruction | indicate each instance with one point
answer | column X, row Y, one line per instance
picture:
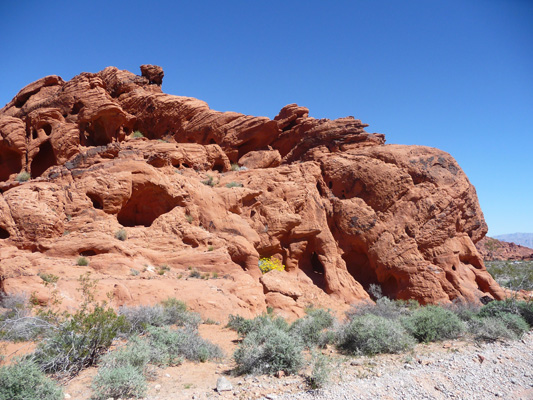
column 338, row 206
column 492, row 249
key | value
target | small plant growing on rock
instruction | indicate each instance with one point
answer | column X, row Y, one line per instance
column 268, row 264
column 210, row 181
column 195, row 274
column 210, row 248
column 137, row 134
column 234, row 184
column 82, row 261
column 121, row 234
column 188, row 218
column 235, row 167
column 134, row 272
column 48, row 279
column 23, row 177
column 162, row 269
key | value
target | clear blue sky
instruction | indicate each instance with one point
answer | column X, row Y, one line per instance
column 451, row 74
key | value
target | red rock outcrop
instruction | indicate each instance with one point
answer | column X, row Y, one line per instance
column 341, row 209
column 492, row 249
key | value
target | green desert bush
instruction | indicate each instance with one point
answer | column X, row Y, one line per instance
column 234, row 184
column 121, row 234
column 489, row 329
column 171, row 346
column 23, row 176
column 466, row 311
column 245, row 326
column 509, row 306
column 312, row 330
column 169, row 312
column 135, row 353
column 119, row 382
column 515, row 275
column 267, row 350
column 372, row 334
column 82, row 261
column 383, row 307
column 137, row 134
column 79, row 341
column 23, row 380
column 433, row 323
column 320, row 372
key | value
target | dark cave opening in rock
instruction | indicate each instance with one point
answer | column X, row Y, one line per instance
column 76, row 108
column 96, row 133
column 359, row 267
column 96, row 200
column 311, row 265
column 4, row 234
column 10, row 163
column 218, row 167
column 43, row 160
column 147, row 202
column 88, row 253
column 47, row 129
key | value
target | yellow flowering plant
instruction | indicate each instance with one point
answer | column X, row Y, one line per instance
column 269, row 264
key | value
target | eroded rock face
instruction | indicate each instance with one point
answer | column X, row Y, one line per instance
column 341, row 209
column 492, row 249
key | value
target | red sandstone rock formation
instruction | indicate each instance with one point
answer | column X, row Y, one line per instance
column 493, row 249
column 338, row 206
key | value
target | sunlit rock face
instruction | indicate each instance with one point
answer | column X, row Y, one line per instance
column 214, row 192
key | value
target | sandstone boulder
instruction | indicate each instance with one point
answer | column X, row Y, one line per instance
column 341, row 209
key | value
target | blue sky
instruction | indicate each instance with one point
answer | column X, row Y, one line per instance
column 451, row 74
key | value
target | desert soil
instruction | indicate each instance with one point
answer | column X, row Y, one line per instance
column 448, row 370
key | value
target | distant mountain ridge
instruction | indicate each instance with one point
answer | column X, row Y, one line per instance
column 524, row 239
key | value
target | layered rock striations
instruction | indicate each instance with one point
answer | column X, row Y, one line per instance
column 341, row 209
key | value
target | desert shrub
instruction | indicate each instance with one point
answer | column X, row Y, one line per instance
column 489, row 329
column 194, row 273
column 515, row 275
column 79, row 341
column 119, row 382
column 466, row 311
column 176, row 312
column 432, row 323
column 136, row 354
column 234, row 184
column 267, row 350
column 525, row 308
column 134, row 272
column 210, row 181
column 82, row 261
column 169, row 312
column 23, row 176
column 244, row 326
column 372, row 334
column 270, row 264
column 137, row 134
column 383, row 307
column 508, row 306
column 171, row 346
column 16, row 322
column 320, row 372
column 49, row 279
column 121, row 234
column 515, row 323
column 24, row 381
column 312, row 329
column 235, row 167
column 139, row 318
